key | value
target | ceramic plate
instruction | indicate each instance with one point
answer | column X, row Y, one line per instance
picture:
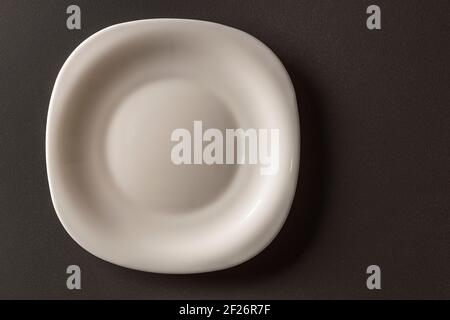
column 139, row 161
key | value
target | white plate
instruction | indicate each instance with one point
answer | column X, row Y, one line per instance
column 114, row 186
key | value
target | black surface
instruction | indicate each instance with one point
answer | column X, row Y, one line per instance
column 375, row 175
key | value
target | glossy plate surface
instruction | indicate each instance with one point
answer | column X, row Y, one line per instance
column 115, row 104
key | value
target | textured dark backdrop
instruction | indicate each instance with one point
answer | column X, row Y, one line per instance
column 375, row 174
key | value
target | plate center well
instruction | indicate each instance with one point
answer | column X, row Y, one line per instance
column 139, row 146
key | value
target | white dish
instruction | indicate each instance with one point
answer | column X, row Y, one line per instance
column 116, row 101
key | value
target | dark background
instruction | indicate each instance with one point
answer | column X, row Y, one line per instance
column 374, row 179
